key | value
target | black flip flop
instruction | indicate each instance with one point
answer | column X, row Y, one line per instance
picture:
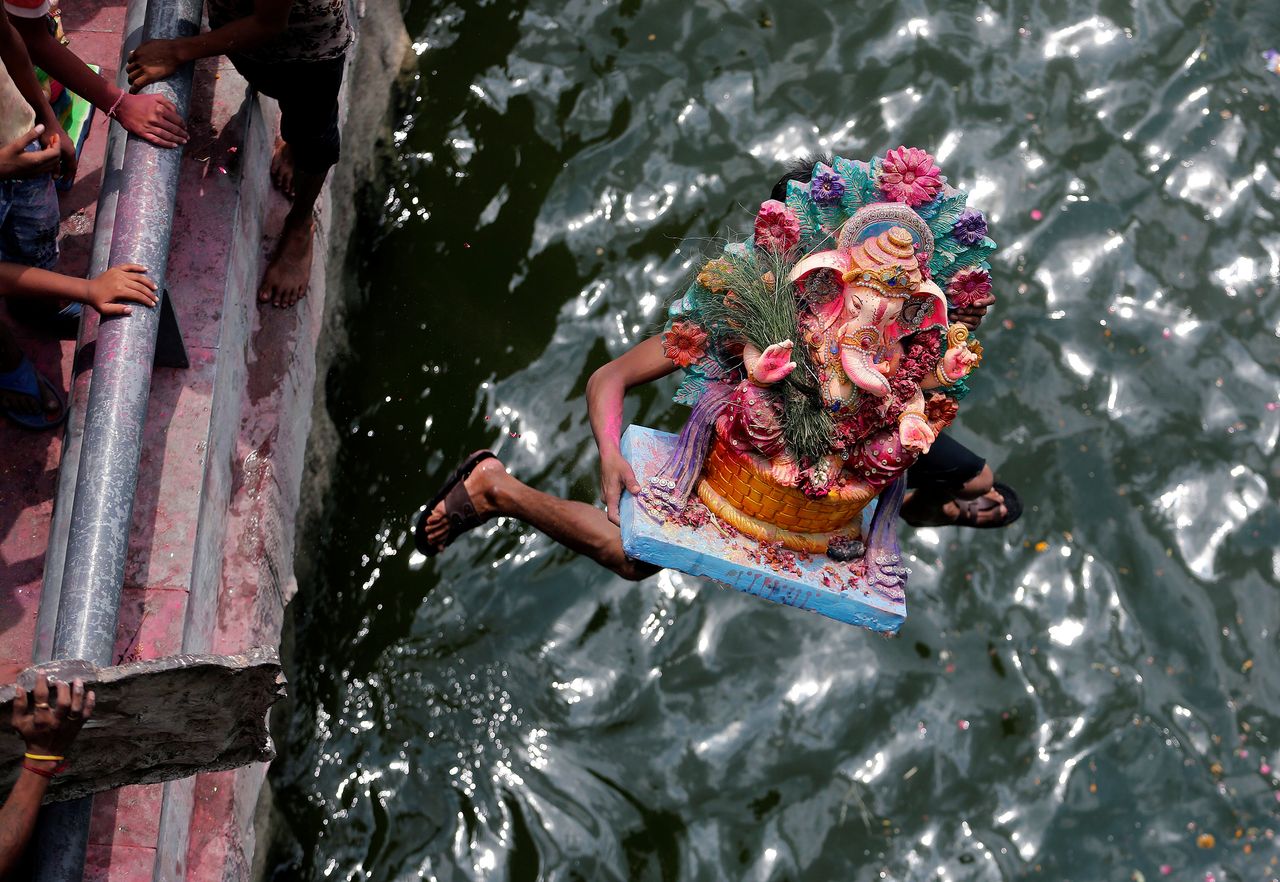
column 1012, row 510
column 458, row 507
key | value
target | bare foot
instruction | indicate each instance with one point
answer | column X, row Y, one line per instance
column 282, row 167
column 289, row 274
column 483, row 485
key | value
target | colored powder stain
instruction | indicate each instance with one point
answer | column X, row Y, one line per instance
column 1042, row 546
column 1037, row 214
column 963, row 725
column 1165, row 869
column 1265, row 769
column 1206, row 840
column 1271, row 405
column 1166, row 333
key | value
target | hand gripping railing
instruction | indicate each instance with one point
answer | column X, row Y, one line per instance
column 143, row 192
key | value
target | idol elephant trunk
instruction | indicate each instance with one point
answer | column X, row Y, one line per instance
column 862, row 372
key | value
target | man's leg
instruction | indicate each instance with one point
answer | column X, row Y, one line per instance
column 308, row 147
column 951, row 484
column 575, row 525
column 288, row 275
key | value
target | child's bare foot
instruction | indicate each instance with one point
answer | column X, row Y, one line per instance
column 484, row 486
column 282, row 167
column 289, row 274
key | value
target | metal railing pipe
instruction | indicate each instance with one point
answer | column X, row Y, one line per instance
column 107, row 478
column 72, row 439
column 98, row 538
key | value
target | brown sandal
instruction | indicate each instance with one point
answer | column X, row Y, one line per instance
column 458, row 507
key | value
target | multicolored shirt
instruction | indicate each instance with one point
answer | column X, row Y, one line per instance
column 318, row 30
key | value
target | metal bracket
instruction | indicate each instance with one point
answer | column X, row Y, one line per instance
column 171, row 352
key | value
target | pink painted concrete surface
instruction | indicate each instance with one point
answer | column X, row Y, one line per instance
column 29, row 460
column 210, row 564
column 125, row 830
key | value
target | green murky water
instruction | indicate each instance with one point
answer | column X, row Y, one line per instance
column 1078, row 698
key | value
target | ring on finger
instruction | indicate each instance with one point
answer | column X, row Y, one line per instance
column 42, row 705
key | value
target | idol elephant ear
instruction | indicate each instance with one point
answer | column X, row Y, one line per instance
column 823, row 260
column 926, row 308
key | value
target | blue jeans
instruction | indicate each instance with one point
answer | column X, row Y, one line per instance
column 29, row 217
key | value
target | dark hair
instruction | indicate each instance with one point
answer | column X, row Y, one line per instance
column 800, row 170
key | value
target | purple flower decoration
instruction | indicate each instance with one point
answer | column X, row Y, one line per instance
column 827, row 188
column 970, row 228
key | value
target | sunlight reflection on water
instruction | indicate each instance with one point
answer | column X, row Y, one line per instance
column 1079, row 697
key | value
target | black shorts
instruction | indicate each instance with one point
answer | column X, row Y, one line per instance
column 308, row 95
column 946, row 468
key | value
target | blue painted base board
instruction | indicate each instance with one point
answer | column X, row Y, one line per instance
column 705, row 551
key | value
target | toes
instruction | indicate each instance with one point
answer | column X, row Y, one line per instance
column 992, row 515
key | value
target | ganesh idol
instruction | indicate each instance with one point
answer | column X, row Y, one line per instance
column 828, row 368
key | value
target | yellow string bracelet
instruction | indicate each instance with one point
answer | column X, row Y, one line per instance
column 42, row 758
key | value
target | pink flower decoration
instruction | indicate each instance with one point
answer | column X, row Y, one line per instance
column 685, row 343
column 777, row 227
column 968, row 286
column 909, row 175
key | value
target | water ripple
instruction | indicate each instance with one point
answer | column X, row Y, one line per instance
column 1089, row 695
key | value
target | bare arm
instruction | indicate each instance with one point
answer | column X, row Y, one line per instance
column 156, row 59
column 151, row 116
column 14, row 55
column 643, row 363
column 18, row 816
column 47, row 729
column 108, row 293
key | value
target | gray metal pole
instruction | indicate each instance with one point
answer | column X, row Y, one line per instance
column 98, row 538
column 69, row 469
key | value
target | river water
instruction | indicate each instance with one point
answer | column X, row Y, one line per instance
column 1089, row 695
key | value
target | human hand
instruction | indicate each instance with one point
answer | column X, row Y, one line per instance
column 971, row 315
column 17, row 162
column 127, row 283
column 54, row 137
column 153, row 118
column 615, row 476
column 153, row 61
column 774, row 364
column 48, row 729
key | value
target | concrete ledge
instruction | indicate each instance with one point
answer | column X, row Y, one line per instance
column 157, row 720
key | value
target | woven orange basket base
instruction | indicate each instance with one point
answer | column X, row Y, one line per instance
column 741, row 491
